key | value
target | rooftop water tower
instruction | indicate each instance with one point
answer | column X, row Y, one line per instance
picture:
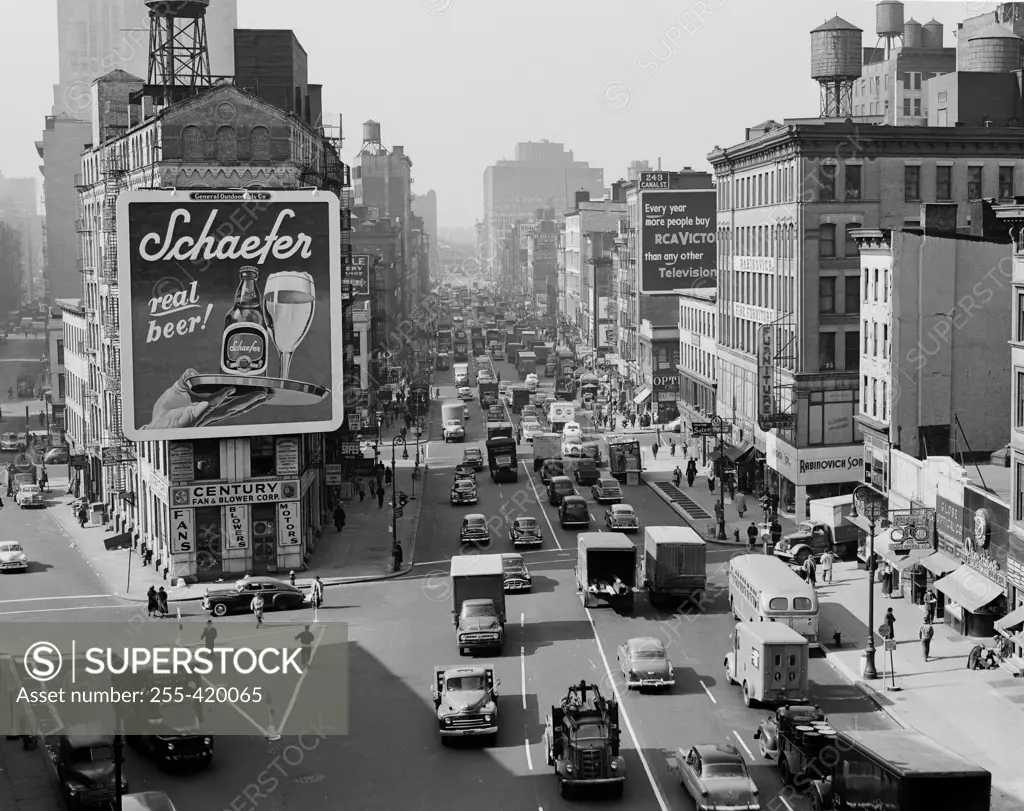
column 835, row 65
column 179, row 56
column 933, row 34
column 889, row 23
column 913, row 34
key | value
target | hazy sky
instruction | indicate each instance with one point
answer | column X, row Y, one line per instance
column 459, row 82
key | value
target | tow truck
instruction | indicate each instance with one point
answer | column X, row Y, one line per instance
column 581, row 738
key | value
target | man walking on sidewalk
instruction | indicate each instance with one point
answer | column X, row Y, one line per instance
column 930, row 601
column 827, row 560
column 380, row 496
column 318, row 592
column 752, row 536
column 396, row 556
column 339, row 518
column 654, row 449
column 925, row 634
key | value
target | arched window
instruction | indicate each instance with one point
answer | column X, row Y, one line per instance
column 227, row 145
column 192, row 144
column 259, row 142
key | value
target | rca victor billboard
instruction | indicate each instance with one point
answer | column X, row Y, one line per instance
column 230, row 313
column 677, row 240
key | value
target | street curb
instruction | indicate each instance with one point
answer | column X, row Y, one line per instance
column 869, row 692
column 687, row 519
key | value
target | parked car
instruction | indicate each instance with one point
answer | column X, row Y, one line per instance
column 550, row 469
column 621, row 518
column 574, row 512
column 715, row 776
column 465, row 471
column 474, row 530
column 474, row 457
column 517, row 575
column 606, row 491
column 525, row 532
column 572, row 430
column 12, row 557
column 463, row 492
column 30, row 497
column 277, row 595
column 559, row 488
column 56, row 456
column 645, row 663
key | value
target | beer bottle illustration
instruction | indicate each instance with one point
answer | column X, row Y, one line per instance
column 245, row 330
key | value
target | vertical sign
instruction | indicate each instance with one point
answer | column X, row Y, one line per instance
column 236, row 523
column 357, row 276
column 287, row 455
column 183, row 534
column 181, row 461
column 288, row 531
column 765, row 395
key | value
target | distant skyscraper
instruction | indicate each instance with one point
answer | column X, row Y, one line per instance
column 95, row 37
column 425, row 207
column 19, row 203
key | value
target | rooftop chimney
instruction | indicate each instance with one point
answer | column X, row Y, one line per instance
column 582, row 196
column 617, row 194
column 939, row 219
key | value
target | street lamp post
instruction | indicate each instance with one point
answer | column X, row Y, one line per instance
column 418, row 432
column 718, row 425
column 871, row 505
column 394, row 481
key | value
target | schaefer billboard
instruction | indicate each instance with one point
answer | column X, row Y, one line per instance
column 230, row 313
column 677, row 240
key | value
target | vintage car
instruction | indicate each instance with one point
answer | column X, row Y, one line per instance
column 495, row 413
column 621, row 518
column 558, row 488
column 57, row 456
column 715, row 776
column 474, row 530
column 465, row 472
column 9, row 442
column 525, row 532
column 574, row 512
column 474, row 457
column 454, row 432
column 644, row 663
column 463, row 492
column 572, row 449
column 606, row 491
column 572, row 430
column 550, row 469
column 505, row 388
column 529, row 412
column 517, row 576
column 592, row 450
column 532, row 430
column 12, row 557
column 277, row 595
column 146, row 801
column 465, row 393
column 30, row 497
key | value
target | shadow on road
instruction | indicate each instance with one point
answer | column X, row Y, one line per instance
column 535, row 636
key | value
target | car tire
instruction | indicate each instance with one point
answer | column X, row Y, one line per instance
column 219, row 610
column 748, row 701
column 728, row 678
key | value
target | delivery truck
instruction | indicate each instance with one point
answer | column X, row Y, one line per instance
column 452, row 413
column 488, row 393
column 526, row 364
column 606, row 566
column 520, row 398
column 769, row 661
column 501, row 459
column 827, row 528
column 623, row 456
column 547, row 446
column 478, row 602
column 674, row 565
column 512, row 350
column 460, row 372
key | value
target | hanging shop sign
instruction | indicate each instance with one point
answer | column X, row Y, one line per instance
column 912, row 529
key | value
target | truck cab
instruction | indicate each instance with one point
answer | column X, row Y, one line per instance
column 581, row 739
column 769, row 661
column 85, row 769
column 466, row 702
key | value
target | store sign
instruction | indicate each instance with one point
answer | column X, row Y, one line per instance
column 754, row 264
column 289, row 532
column 307, row 481
column 183, row 531
column 666, row 382
column 677, row 240
column 813, row 466
column 221, row 495
column 158, row 487
column 876, row 462
column 912, row 529
column 985, row 535
column 236, row 526
column 287, row 457
column 765, row 381
column 357, row 276
column 949, row 521
column 332, row 475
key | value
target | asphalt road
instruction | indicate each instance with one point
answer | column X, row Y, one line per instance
column 399, row 629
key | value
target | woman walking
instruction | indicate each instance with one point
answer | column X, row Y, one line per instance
column 887, row 582
column 152, row 606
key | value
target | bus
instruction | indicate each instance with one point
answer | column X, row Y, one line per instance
column 763, row 588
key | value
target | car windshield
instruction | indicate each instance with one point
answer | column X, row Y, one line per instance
column 93, row 754
column 29, row 488
column 10, row 547
column 464, row 484
column 474, row 523
column 514, row 565
column 526, row 523
column 589, row 732
column 649, row 654
column 466, row 683
column 723, row 770
column 478, row 610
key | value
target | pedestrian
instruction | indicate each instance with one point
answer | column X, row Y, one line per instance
column 827, row 559
column 776, row 532
column 305, row 639
column 339, row 518
column 83, row 516
column 741, row 504
column 291, row 577
column 362, row 491
column 257, row 608
column 380, row 497
column 736, row 535
column 161, row 599
column 396, row 556
column 887, row 581
column 752, row 533
column 654, row 448
column 209, row 635
column 677, row 476
column 711, row 481
column 811, row 569
column 731, row 486
column 672, row 447
column 887, row 630
column 318, row 592
column 930, row 602
column 387, row 475
column 44, row 481
column 152, row 606
column 925, row 634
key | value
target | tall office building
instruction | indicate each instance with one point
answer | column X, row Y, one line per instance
column 425, row 206
column 19, row 204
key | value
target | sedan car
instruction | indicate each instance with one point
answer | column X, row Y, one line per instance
column 474, row 530
column 57, row 456
column 465, row 472
column 525, row 532
column 621, row 518
column 465, row 393
column 12, row 557
column 644, row 663
column 276, row 594
column 558, row 488
column 532, row 430
column 550, row 469
column 30, row 497
column 474, row 457
column 606, row 491
column 517, row 576
column 9, row 442
column 572, row 430
column 529, row 411
column 715, row 776
column 463, row 492
column 572, row 448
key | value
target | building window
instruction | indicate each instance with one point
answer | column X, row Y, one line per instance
column 974, row 183
column 885, row 340
column 1020, row 317
column 864, row 399
column 61, row 386
column 227, row 145
column 826, row 182
column 906, row 107
column 867, row 283
column 866, row 334
column 852, row 294
column 60, row 352
column 885, row 285
column 917, row 108
column 912, row 183
column 261, row 456
column 1005, row 182
column 259, row 143
column 885, row 401
column 826, row 351
column 851, row 248
column 1018, row 417
column 943, row 182
column 827, row 294
column 1018, row 493
column 874, row 398
column 827, row 241
column 206, row 457
column 851, row 350
column 874, row 285
column 192, row 144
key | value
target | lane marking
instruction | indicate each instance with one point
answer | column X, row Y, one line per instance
column 625, row 717
column 540, row 504
column 53, row 610
column 592, row 518
column 522, row 673
column 41, row 599
column 529, row 757
column 785, row 802
column 744, row 745
column 706, row 690
column 522, row 620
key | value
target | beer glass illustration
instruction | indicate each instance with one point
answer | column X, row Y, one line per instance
column 289, row 298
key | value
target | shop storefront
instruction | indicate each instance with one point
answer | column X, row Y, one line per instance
column 906, row 543
column 1012, row 625
column 974, row 594
column 800, row 475
column 666, row 395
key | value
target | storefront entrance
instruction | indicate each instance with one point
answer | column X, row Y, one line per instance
column 264, row 538
column 209, row 543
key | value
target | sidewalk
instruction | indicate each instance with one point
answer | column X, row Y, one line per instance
column 975, row 713
column 25, row 783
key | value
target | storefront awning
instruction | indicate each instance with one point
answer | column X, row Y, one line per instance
column 740, row 453
column 862, row 523
column 122, row 541
column 642, row 395
column 901, row 562
column 969, row 588
column 1015, row 617
column 940, row 564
